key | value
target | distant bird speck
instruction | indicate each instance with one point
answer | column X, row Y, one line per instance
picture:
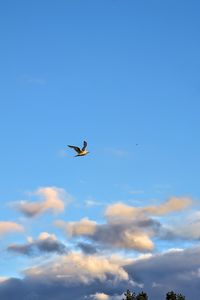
column 81, row 152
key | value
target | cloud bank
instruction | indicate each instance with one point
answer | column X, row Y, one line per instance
column 91, row 272
column 78, row 267
column 80, row 277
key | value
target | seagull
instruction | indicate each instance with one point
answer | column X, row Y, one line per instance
column 81, row 152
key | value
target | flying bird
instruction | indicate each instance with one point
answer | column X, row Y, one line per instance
column 81, row 152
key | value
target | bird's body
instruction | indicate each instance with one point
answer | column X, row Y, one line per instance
column 81, row 152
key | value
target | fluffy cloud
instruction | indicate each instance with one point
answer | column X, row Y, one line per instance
column 83, row 227
column 123, row 236
column 103, row 296
column 7, row 227
column 171, row 205
column 52, row 198
column 132, row 235
column 77, row 267
column 127, row 227
column 119, row 212
column 45, row 243
column 83, row 277
column 100, row 296
column 89, row 275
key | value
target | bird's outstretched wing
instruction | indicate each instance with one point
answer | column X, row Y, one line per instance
column 77, row 149
column 84, row 145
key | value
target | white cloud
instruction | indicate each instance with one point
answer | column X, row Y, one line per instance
column 77, row 267
column 85, row 277
column 124, row 236
column 53, row 199
column 90, row 203
column 7, row 227
column 47, row 236
column 45, row 243
column 137, row 240
column 103, row 296
column 127, row 227
column 83, row 227
column 100, row 296
column 119, row 212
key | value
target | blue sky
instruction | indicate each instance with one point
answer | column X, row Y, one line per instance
column 123, row 75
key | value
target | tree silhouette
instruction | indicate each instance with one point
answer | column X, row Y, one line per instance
column 129, row 295
column 173, row 296
column 142, row 296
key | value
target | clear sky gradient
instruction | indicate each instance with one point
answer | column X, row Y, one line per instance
column 124, row 76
